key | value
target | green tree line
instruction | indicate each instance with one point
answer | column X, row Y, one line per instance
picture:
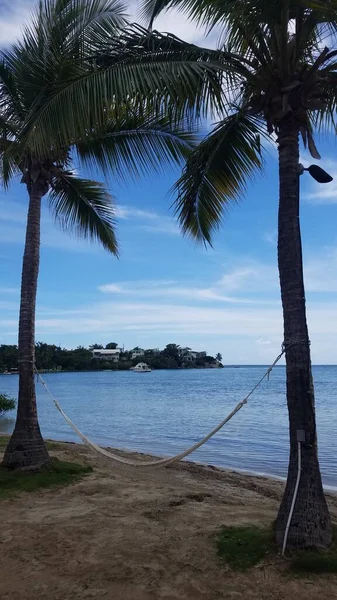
column 50, row 357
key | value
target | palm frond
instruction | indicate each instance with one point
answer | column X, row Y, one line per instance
column 8, row 163
column 136, row 146
column 62, row 25
column 9, row 152
column 10, row 102
column 205, row 12
column 216, row 173
column 152, row 8
column 325, row 117
column 56, row 43
column 158, row 71
column 85, row 207
column 212, row 12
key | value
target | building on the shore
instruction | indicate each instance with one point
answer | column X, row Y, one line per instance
column 136, row 352
column 112, row 355
column 189, row 355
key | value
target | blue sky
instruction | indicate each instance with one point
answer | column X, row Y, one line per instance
column 165, row 288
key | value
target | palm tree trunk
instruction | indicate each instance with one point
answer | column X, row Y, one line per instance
column 310, row 524
column 26, row 448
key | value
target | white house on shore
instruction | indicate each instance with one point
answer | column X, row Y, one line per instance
column 189, row 355
column 137, row 352
column 112, row 355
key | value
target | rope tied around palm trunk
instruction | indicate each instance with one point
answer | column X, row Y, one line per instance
column 295, row 342
column 162, row 461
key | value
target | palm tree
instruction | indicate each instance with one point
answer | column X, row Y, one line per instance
column 58, row 103
column 286, row 88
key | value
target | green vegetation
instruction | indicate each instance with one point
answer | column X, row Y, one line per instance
column 317, row 561
column 243, row 547
column 57, row 474
column 6, row 404
column 54, row 358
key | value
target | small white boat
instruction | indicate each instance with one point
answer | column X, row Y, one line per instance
column 141, row 368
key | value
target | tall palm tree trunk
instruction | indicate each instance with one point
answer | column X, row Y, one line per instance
column 310, row 524
column 26, row 448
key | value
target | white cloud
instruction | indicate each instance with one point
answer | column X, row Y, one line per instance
column 254, row 284
column 174, row 21
column 51, row 237
column 147, row 285
column 263, row 342
column 245, row 329
column 18, row 12
column 166, row 225
column 248, row 334
column 271, row 237
column 13, row 222
column 169, row 318
column 252, row 277
column 320, row 275
column 177, row 22
column 149, row 221
column 111, row 288
column 130, row 212
column 14, row 15
column 172, row 289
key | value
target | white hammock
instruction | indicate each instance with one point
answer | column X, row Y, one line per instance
column 161, row 462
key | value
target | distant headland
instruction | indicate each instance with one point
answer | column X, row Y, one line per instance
column 52, row 358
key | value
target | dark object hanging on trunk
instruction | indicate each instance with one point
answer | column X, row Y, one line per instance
column 319, row 174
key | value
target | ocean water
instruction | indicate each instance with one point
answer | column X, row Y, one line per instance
column 164, row 412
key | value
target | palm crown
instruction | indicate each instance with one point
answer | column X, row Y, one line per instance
column 50, row 87
column 286, row 52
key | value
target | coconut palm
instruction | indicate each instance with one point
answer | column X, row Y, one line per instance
column 286, row 88
column 59, row 104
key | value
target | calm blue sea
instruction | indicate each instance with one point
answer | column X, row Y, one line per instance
column 164, row 412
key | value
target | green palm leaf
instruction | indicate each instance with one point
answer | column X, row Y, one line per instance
column 155, row 70
column 137, row 145
column 85, row 207
column 216, row 173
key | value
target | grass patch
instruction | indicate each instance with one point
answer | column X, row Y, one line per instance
column 316, row 561
column 59, row 473
column 52, row 445
column 245, row 546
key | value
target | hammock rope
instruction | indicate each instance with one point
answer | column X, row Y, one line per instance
column 162, row 462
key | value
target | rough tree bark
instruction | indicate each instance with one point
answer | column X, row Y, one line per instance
column 26, row 448
column 311, row 524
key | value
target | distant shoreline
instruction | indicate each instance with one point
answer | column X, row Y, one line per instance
column 257, row 366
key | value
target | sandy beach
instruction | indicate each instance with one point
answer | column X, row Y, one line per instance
column 124, row 533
